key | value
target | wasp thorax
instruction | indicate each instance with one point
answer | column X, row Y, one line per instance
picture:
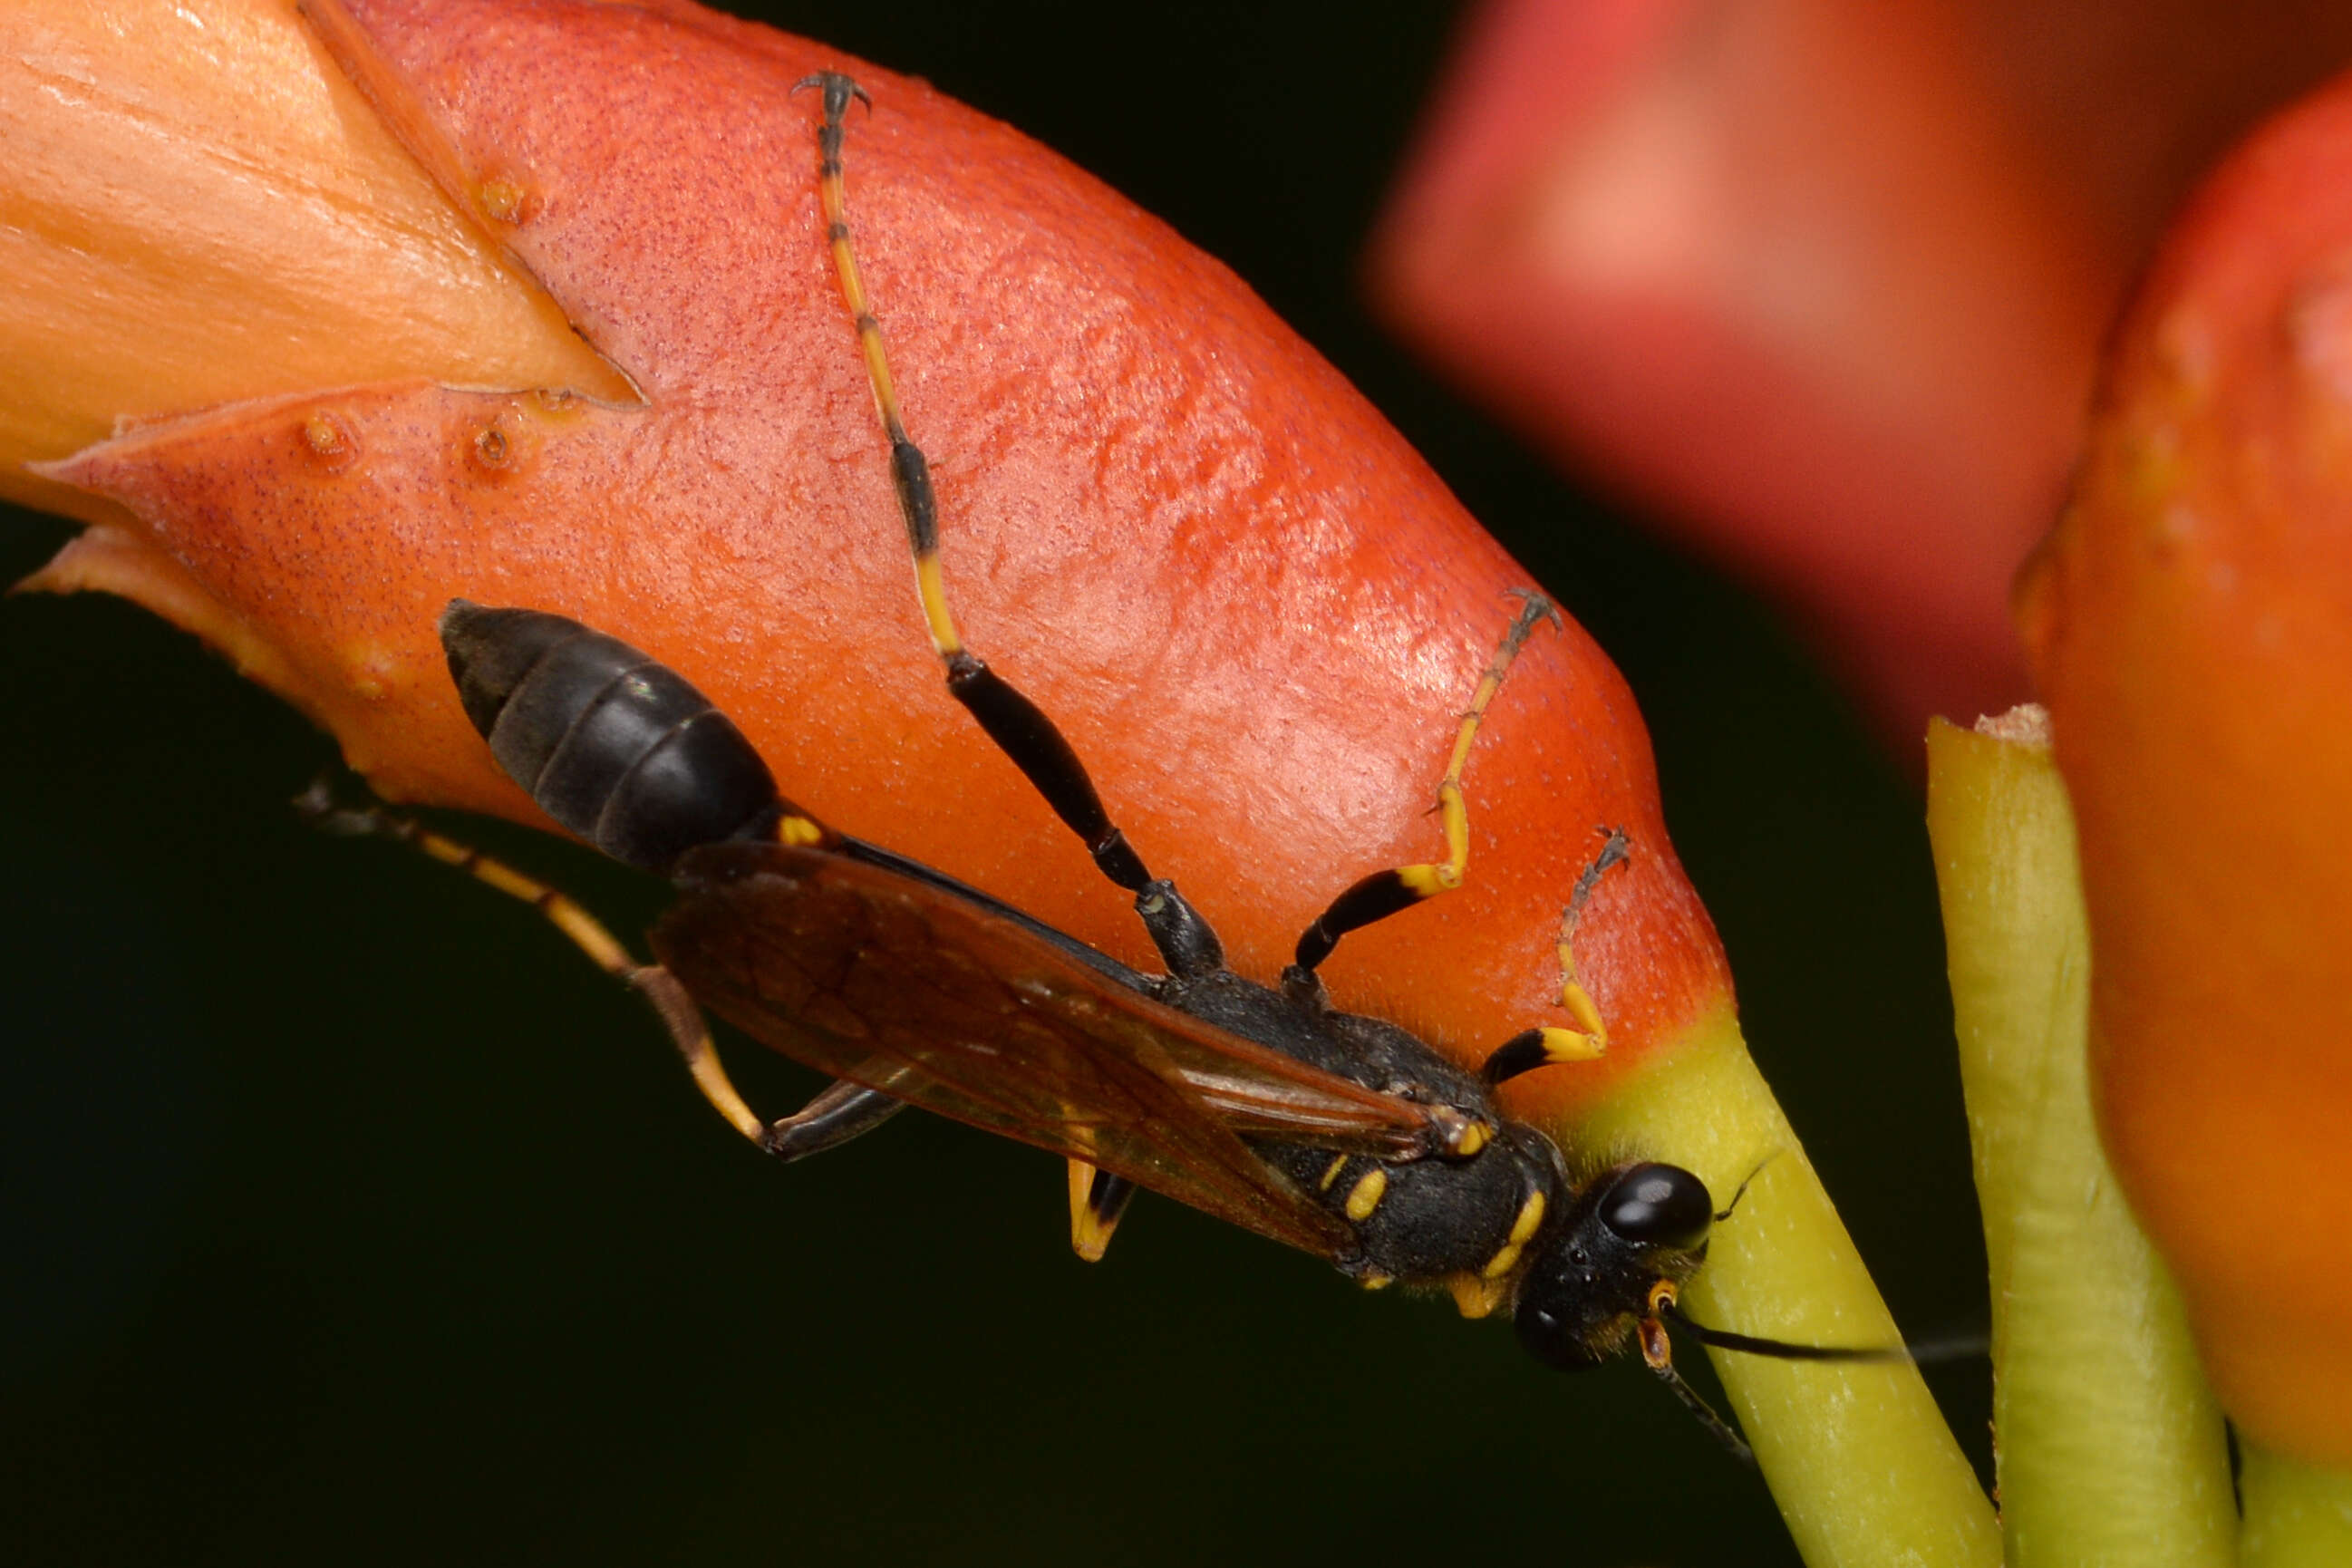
column 1588, row 1282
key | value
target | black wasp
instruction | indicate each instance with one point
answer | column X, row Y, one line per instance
column 1339, row 1134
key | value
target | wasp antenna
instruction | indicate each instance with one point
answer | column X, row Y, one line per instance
column 1723, row 1431
column 1956, row 1347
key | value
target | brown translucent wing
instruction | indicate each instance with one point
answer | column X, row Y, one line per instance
column 934, row 999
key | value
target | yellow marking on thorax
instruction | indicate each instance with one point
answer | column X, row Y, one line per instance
column 1531, row 1215
column 1331, row 1173
column 1366, row 1194
column 1507, row 1257
column 796, row 832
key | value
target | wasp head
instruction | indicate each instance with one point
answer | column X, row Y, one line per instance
column 1588, row 1283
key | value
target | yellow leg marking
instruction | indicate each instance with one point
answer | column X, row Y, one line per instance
column 1573, row 994
column 922, row 525
column 1429, row 880
column 1089, row 1237
column 835, row 196
column 692, row 1037
column 1567, row 1045
column 668, row 997
column 1580, row 1007
column 1366, row 1194
column 1331, row 1173
column 1377, row 1281
column 929, row 583
column 589, row 935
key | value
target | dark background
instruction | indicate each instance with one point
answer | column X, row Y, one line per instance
column 346, row 1214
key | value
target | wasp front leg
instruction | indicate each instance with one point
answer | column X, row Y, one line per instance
column 1385, row 893
column 1551, row 1045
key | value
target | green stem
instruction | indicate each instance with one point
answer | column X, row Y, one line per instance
column 1857, row 1456
column 2297, row 1515
column 2109, row 1448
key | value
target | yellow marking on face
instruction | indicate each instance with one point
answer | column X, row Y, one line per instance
column 798, row 831
column 1331, row 1174
column 1366, row 1194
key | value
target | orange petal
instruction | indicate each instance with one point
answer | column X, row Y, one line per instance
column 2191, row 622
column 1256, row 611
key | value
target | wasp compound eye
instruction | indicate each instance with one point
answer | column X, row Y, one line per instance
column 1557, row 1339
column 1658, row 1205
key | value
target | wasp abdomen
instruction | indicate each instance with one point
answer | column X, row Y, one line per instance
column 610, row 743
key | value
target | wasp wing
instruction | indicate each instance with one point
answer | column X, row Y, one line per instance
column 902, row 985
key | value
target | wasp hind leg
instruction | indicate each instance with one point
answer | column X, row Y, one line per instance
column 1019, row 727
column 833, row 1117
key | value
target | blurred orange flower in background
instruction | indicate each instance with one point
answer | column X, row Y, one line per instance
column 1822, row 283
